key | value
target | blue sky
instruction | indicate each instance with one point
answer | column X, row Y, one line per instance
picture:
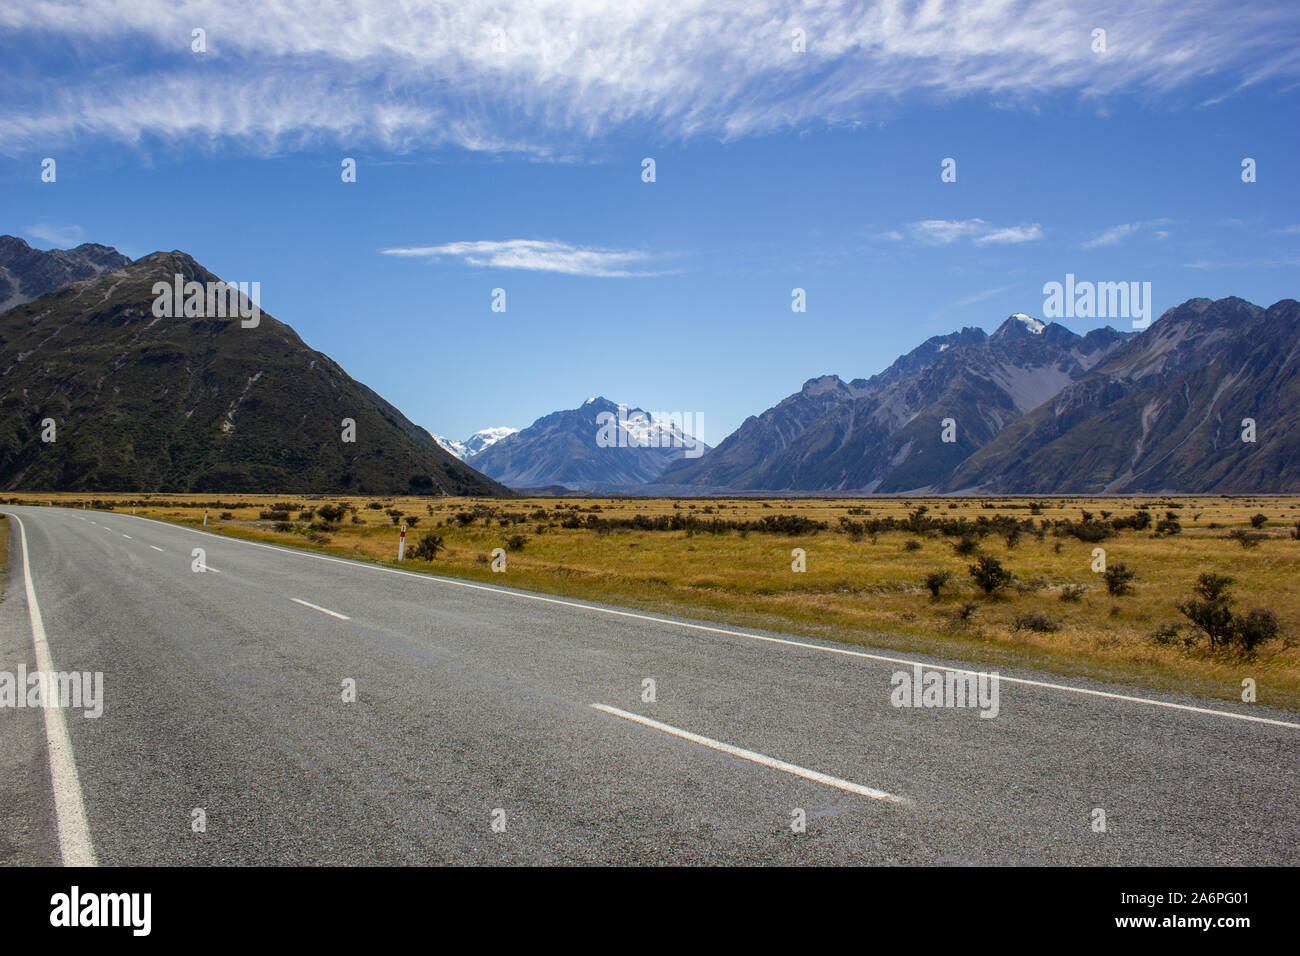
column 500, row 145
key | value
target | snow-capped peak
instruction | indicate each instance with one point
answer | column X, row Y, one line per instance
column 1031, row 324
column 475, row 443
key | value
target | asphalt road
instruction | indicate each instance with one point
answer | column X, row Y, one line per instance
column 474, row 705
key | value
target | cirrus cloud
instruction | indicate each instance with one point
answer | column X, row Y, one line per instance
column 548, row 76
column 534, row 255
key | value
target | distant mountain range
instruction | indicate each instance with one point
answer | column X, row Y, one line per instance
column 1205, row 400
column 1168, row 410
column 595, row 446
column 885, row 434
column 475, row 443
column 27, row 273
column 193, row 404
column 1033, row 408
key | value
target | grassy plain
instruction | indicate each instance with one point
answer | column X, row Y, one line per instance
column 862, row 584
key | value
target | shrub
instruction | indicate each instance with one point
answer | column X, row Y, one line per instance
column 332, row 513
column 274, row 515
column 935, row 580
column 227, row 516
column 1258, row 520
column 412, row 521
column 1165, row 634
column 966, row 546
column 911, row 544
column 1210, row 611
column 989, row 574
column 1073, row 592
column 375, row 506
column 1255, row 628
column 516, row 542
column 283, row 526
column 1119, row 580
column 1168, row 526
column 1034, row 621
column 428, row 547
column 1247, row 539
column 1212, row 587
column 1088, row 530
column 1295, row 532
column 307, row 515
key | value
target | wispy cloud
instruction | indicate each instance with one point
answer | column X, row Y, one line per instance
column 534, row 255
column 59, row 235
column 943, row 232
column 546, row 76
column 1117, row 234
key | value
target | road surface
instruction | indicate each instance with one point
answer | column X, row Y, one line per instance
column 495, row 726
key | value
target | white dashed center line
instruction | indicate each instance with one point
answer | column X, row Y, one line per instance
column 323, row 610
column 754, row 757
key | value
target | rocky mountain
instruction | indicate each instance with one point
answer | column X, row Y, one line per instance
column 26, row 273
column 475, row 443
column 1165, row 412
column 596, row 444
column 140, row 401
column 885, row 434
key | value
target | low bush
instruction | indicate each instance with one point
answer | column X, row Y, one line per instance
column 1034, row 621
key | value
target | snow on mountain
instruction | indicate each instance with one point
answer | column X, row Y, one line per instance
column 1030, row 323
column 478, row 442
column 484, row 438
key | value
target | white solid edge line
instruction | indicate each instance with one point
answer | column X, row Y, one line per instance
column 753, row 637
column 755, row 757
column 155, row 547
column 323, row 610
column 128, row 537
column 75, row 844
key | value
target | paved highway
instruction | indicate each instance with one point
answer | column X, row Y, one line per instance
column 494, row 726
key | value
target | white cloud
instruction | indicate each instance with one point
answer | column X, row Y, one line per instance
column 59, row 235
column 535, row 255
column 1011, row 234
column 427, row 72
column 944, row 232
column 1116, row 234
column 1112, row 235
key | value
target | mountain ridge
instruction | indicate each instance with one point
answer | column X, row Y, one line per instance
column 183, row 404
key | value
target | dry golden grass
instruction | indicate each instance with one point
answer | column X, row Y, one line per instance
column 858, row 589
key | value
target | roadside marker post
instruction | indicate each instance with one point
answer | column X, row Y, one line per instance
column 401, row 543
column 205, row 517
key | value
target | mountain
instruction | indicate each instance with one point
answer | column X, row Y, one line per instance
column 475, row 443
column 884, row 434
column 26, row 273
column 1164, row 413
column 193, row 404
column 596, row 444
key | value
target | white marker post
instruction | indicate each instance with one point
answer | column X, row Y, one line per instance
column 401, row 543
column 205, row 517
